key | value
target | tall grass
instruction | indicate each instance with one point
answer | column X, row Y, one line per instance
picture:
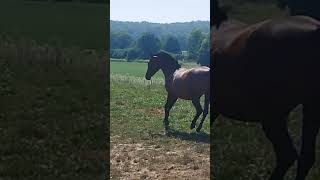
column 52, row 115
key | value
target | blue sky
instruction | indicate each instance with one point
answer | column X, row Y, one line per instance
column 160, row 11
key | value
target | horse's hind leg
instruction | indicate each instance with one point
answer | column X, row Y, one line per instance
column 197, row 105
column 286, row 154
column 170, row 102
column 205, row 111
column 309, row 136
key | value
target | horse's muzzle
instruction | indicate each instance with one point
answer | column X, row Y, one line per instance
column 147, row 77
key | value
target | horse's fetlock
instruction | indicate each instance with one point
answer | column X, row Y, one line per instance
column 199, row 112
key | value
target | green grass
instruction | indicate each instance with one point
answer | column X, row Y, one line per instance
column 241, row 150
column 69, row 24
column 52, row 122
column 52, row 94
column 137, row 69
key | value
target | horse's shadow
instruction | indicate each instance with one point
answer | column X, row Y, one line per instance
column 200, row 137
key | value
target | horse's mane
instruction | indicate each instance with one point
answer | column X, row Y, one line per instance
column 168, row 58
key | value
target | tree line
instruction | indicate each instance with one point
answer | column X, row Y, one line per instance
column 183, row 45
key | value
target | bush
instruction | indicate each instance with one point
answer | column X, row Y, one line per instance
column 118, row 53
column 133, row 53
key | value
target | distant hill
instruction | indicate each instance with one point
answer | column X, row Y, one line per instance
column 159, row 29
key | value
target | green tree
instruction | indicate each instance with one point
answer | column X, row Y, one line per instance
column 171, row 44
column 182, row 39
column 204, row 52
column 133, row 53
column 120, row 40
column 148, row 44
column 194, row 43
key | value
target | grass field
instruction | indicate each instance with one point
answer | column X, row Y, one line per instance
column 52, row 121
column 137, row 69
column 138, row 147
column 241, row 151
column 70, row 24
column 52, row 92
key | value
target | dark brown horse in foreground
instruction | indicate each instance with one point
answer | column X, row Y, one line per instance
column 189, row 84
column 261, row 72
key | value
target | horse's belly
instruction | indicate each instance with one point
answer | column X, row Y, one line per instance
column 254, row 107
column 191, row 89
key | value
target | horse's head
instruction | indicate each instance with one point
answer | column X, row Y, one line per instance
column 153, row 66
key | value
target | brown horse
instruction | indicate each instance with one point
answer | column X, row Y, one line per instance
column 261, row 72
column 188, row 84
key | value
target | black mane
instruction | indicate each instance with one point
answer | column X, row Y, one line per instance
column 168, row 58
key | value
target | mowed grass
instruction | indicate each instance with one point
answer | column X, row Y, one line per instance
column 136, row 111
column 70, row 24
column 138, row 69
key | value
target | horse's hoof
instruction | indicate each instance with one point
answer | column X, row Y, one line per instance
column 192, row 126
column 198, row 129
column 167, row 132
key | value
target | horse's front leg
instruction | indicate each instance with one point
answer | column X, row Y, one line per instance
column 205, row 111
column 286, row 154
column 309, row 135
column 197, row 105
column 170, row 102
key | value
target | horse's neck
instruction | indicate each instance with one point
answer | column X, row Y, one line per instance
column 168, row 76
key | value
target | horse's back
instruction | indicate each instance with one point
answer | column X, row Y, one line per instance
column 282, row 29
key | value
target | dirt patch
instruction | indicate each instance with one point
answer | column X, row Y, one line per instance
column 141, row 161
column 158, row 111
